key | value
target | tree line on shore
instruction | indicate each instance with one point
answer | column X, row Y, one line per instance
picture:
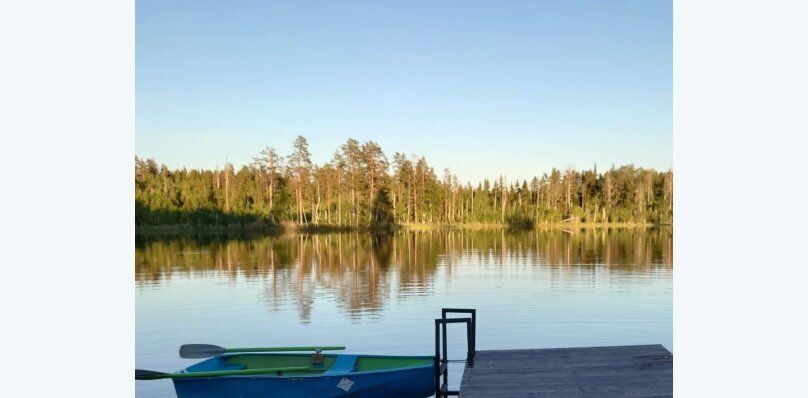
column 360, row 187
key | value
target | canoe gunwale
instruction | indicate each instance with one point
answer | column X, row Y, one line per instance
column 319, row 375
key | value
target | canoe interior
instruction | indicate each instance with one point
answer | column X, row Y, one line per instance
column 362, row 363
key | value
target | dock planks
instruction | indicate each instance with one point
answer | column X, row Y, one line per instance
column 617, row 371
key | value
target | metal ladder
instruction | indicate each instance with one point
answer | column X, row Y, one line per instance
column 441, row 357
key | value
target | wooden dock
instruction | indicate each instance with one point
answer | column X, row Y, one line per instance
column 618, row 371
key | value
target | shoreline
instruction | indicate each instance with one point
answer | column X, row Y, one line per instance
column 275, row 229
column 553, row 225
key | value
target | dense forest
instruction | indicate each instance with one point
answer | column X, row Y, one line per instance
column 361, row 187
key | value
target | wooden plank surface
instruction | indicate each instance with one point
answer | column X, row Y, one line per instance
column 618, row 371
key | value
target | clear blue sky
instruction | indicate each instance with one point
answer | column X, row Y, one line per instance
column 483, row 88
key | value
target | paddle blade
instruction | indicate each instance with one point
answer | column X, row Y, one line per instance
column 141, row 374
column 196, row 351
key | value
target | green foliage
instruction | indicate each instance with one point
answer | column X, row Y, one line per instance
column 360, row 188
column 382, row 218
column 519, row 221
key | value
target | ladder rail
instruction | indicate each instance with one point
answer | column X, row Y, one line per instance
column 441, row 347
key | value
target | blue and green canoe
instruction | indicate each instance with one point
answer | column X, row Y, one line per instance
column 277, row 375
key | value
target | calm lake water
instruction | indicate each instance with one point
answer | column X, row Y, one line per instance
column 532, row 289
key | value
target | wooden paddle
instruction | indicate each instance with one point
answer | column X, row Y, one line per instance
column 208, row 350
column 141, row 374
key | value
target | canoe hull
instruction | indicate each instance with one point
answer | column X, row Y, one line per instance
column 400, row 383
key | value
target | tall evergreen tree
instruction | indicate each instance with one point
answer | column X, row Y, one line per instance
column 300, row 169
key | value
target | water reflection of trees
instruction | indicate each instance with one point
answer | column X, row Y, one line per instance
column 362, row 271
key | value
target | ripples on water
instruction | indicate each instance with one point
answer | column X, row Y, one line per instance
column 532, row 289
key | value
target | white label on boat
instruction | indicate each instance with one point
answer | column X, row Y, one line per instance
column 345, row 384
